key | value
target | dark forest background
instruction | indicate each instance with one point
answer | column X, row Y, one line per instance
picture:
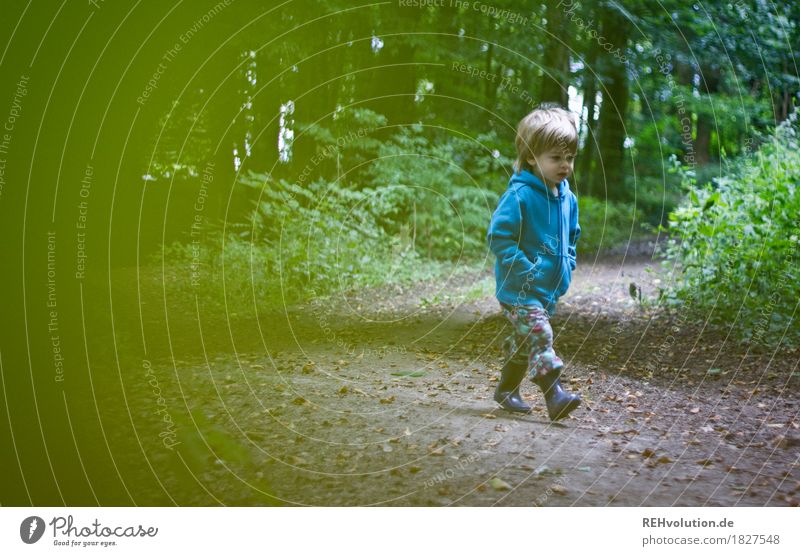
column 351, row 144
column 170, row 170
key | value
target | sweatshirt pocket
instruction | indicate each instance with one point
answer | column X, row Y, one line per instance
column 547, row 273
column 565, row 278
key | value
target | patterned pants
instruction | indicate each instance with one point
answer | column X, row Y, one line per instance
column 532, row 340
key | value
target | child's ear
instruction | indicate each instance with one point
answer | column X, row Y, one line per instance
column 532, row 162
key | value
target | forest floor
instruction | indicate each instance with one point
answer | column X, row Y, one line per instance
column 384, row 397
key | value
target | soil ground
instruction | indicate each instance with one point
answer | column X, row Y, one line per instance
column 384, row 397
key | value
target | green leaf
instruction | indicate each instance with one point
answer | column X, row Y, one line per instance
column 710, row 201
column 706, row 229
column 499, row 484
column 409, row 373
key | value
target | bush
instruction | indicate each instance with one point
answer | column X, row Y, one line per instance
column 607, row 224
column 426, row 186
column 418, row 210
column 735, row 243
column 300, row 243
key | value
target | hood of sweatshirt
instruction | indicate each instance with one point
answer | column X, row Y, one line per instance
column 531, row 179
column 532, row 233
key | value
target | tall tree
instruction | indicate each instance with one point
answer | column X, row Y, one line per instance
column 614, row 29
column 556, row 57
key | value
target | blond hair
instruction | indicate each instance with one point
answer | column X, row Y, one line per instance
column 547, row 127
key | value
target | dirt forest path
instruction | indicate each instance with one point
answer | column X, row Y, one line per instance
column 389, row 402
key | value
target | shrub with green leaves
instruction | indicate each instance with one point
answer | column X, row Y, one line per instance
column 420, row 204
column 438, row 189
column 607, row 224
column 735, row 243
column 301, row 243
column 322, row 237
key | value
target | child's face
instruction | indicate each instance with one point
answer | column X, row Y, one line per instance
column 554, row 165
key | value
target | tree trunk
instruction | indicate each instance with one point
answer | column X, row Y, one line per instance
column 783, row 104
column 684, row 76
column 709, row 84
column 556, row 59
column 613, row 109
column 491, row 87
column 584, row 174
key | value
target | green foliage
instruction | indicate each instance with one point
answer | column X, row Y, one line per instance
column 349, row 139
column 321, row 234
column 425, row 187
column 183, row 144
column 735, row 242
column 656, row 198
column 419, row 184
column 302, row 242
column 607, row 224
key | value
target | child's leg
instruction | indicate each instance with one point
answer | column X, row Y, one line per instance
column 532, row 339
column 533, row 336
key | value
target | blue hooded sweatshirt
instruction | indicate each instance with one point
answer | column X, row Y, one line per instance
column 533, row 233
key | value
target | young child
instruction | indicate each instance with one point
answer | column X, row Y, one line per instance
column 533, row 233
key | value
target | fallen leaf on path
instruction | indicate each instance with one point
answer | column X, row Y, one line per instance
column 787, row 441
column 558, row 489
column 543, row 470
column 436, row 448
column 409, row 373
column 499, row 484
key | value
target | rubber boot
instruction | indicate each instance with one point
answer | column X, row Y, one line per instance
column 559, row 403
column 507, row 391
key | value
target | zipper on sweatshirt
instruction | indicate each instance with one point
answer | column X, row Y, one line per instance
column 560, row 237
